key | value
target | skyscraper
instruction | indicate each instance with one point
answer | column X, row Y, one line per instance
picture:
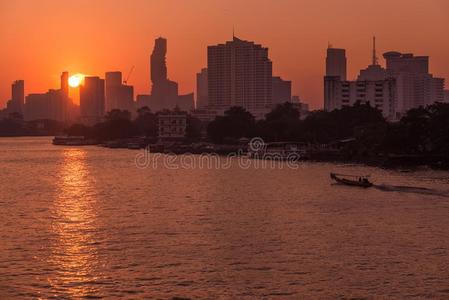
column 202, row 99
column 164, row 92
column 239, row 74
column 92, row 100
column 336, row 63
column 118, row 95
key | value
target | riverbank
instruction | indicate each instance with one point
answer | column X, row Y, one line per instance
column 312, row 153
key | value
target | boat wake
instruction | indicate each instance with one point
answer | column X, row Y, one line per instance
column 411, row 189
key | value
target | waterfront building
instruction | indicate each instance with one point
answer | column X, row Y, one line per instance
column 172, row 124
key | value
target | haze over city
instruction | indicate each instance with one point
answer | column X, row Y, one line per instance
column 42, row 39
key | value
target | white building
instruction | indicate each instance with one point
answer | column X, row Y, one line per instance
column 172, row 124
column 379, row 94
column 404, row 84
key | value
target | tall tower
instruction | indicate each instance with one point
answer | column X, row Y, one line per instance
column 164, row 92
column 158, row 64
column 336, row 63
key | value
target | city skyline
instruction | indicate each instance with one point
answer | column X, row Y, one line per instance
column 299, row 57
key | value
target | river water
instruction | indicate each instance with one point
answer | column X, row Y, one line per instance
column 86, row 222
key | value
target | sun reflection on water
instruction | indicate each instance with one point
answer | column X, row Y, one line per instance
column 74, row 254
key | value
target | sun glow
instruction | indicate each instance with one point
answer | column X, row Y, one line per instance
column 76, row 80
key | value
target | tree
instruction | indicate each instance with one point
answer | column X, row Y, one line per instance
column 236, row 123
column 194, row 128
column 280, row 124
column 117, row 125
column 146, row 122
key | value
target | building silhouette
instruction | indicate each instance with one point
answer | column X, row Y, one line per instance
column 55, row 104
column 239, row 74
column 281, row 91
column 415, row 85
column 336, row 62
column 118, row 95
column 202, row 98
column 372, row 85
column 164, row 92
column 92, row 100
column 15, row 105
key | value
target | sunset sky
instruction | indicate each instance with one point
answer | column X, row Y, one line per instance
column 40, row 39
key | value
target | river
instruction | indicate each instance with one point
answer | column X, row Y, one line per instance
column 87, row 222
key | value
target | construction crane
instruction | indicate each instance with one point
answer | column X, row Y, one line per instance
column 127, row 77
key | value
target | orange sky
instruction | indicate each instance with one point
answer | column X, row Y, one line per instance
column 40, row 39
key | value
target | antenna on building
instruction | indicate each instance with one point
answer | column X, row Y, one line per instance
column 375, row 59
column 233, row 32
column 329, row 45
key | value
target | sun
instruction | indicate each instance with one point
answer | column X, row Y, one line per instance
column 75, row 80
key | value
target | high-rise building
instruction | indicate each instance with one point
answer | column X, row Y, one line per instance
column 336, row 63
column 281, row 90
column 202, row 99
column 92, row 100
column 15, row 105
column 164, row 92
column 117, row 94
column 239, row 74
column 415, row 85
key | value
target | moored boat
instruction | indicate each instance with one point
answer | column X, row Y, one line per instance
column 72, row 141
